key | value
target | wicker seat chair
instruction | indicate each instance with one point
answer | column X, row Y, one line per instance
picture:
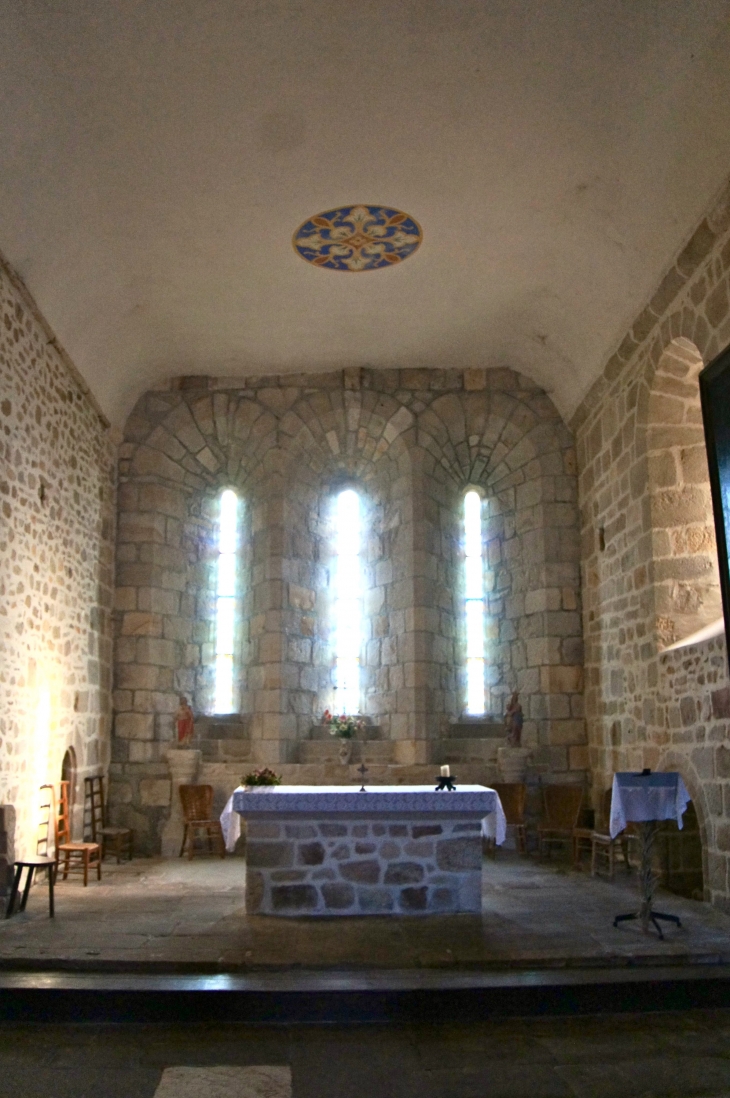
column 562, row 805
column 114, row 840
column 197, row 807
column 603, row 847
column 77, row 856
column 513, row 795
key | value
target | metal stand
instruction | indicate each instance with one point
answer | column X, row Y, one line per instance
column 445, row 784
column 647, row 882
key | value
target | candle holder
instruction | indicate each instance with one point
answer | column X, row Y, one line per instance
column 445, row 783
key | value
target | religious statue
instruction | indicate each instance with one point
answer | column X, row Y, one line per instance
column 185, row 721
column 513, row 721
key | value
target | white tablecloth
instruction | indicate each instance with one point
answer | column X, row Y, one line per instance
column 635, row 798
column 494, row 826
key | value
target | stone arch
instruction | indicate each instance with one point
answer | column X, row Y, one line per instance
column 328, row 439
column 515, row 446
column 685, row 576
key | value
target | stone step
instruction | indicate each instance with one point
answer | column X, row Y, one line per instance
column 489, row 729
column 224, row 750
column 221, row 728
column 376, row 751
column 322, row 732
column 467, row 750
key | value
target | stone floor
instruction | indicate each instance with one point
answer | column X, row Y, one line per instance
column 182, row 915
column 683, row 1055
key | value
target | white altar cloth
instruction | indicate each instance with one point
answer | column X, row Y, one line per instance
column 380, row 800
column 637, row 798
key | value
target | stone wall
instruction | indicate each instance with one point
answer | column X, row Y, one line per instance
column 649, row 565
column 57, row 470
column 411, row 441
column 355, row 867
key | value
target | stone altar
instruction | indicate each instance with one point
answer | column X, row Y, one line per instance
column 331, row 850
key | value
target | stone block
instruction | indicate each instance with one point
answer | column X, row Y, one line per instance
column 454, row 855
column 310, row 853
column 294, row 897
column 254, row 891
column 263, row 829
column 155, row 791
column 365, row 872
column 338, row 895
column 401, row 873
column 413, row 899
column 721, row 703
column 561, row 680
column 300, row 831
column 269, row 855
column 565, row 733
column 332, row 830
column 418, row 831
column 374, row 900
column 134, row 726
column 389, row 850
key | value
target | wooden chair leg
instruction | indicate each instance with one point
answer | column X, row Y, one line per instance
column 13, row 892
column 86, row 868
column 98, row 865
column 185, row 835
column 26, row 890
column 51, row 907
column 66, row 863
column 191, row 841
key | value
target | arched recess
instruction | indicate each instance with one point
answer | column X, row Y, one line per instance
column 675, row 760
column 515, row 446
column 329, row 441
column 685, row 577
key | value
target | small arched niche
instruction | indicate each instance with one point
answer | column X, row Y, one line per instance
column 684, row 559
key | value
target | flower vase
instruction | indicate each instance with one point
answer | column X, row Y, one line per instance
column 345, row 752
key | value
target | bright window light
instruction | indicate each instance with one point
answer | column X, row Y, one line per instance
column 225, row 611
column 348, row 602
column 474, row 604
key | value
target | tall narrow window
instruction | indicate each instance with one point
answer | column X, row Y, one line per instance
column 474, row 604
column 225, row 611
column 348, row 602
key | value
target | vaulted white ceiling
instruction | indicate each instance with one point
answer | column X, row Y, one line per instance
column 157, row 155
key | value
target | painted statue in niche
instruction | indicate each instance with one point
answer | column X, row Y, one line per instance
column 513, row 721
column 185, row 721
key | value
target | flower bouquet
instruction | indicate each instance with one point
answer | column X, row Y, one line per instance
column 261, row 777
column 343, row 726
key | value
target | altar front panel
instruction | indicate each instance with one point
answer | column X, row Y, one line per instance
column 335, row 851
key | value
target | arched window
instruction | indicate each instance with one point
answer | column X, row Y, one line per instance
column 474, row 606
column 347, row 576
column 225, row 607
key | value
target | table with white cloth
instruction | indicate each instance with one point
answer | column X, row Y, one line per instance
column 644, row 799
column 334, row 850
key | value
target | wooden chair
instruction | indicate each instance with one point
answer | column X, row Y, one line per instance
column 35, row 862
column 603, row 847
column 116, row 840
column 197, row 807
column 512, row 795
column 562, row 804
column 77, row 857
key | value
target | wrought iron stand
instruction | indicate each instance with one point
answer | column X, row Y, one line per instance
column 647, row 881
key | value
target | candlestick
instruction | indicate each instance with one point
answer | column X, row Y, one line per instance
column 445, row 772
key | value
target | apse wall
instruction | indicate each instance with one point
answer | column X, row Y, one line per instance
column 411, row 442
column 650, row 566
column 57, row 471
